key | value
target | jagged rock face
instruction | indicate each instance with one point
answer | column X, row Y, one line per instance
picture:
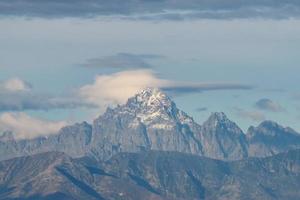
column 269, row 138
column 223, row 139
column 73, row 140
column 149, row 120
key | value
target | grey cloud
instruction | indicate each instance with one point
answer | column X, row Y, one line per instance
column 29, row 101
column 153, row 9
column 253, row 115
column 183, row 88
column 202, row 109
column 275, row 90
column 296, row 96
column 122, row 61
column 268, row 105
column 18, row 95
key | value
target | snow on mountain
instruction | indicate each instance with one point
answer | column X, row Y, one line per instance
column 150, row 120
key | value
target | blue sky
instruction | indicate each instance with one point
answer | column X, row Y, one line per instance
column 61, row 53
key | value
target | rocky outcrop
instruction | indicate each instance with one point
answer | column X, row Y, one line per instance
column 223, row 139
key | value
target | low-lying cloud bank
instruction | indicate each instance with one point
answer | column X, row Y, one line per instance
column 153, row 9
column 18, row 95
column 24, row 126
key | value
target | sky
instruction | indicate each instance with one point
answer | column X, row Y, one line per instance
column 63, row 62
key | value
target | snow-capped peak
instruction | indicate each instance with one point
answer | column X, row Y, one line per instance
column 152, row 97
column 152, row 107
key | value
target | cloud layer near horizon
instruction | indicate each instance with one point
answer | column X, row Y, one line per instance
column 17, row 95
column 24, row 126
column 153, row 9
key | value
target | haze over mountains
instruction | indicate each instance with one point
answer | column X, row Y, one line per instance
column 149, row 149
column 151, row 121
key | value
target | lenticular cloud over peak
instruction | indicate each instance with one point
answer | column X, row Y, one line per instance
column 116, row 88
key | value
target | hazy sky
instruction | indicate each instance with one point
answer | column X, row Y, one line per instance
column 62, row 63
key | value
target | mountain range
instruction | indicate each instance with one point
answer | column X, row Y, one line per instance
column 151, row 175
column 151, row 121
column 150, row 149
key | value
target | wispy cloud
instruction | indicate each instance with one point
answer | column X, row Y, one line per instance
column 253, row 115
column 202, row 109
column 118, row 87
column 268, row 105
column 195, row 87
column 158, row 10
column 122, row 61
column 24, row 126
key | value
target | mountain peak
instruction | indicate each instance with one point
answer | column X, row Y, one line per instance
column 150, row 91
column 269, row 127
column 220, row 120
column 152, row 103
column 269, row 124
column 151, row 97
column 217, row 118
column 152, row 107
column 220, row 116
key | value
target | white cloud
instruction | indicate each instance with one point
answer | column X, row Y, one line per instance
column 26, row 127
column 15, row 85
column 117, row 88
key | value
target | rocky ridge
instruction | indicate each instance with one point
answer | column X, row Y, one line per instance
column 150, row 120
